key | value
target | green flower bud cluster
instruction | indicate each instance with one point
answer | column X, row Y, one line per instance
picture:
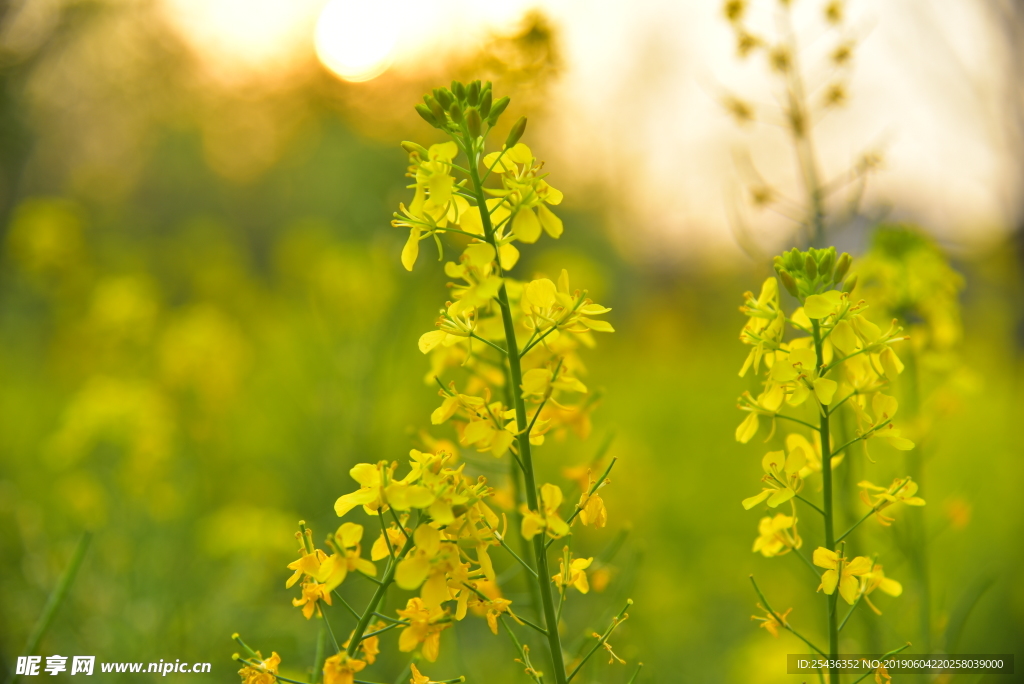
column 813, row 272
column 467, row 107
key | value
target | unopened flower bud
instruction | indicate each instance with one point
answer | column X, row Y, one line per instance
column 444, row 97
column 412, row 147
column 455, row 111
column 850, row 283
column 842, row 266
column 827, row 261
column 459, row 90
column 496, row 110
column 436, row 109
column 485, row 103
column 518, row 128
column 426, row 114
column 473, row 122
column 788, row 281
column 810, row 267
column 473, row 93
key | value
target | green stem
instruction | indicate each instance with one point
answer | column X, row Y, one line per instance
column 855, row 525
column 616, row 621
column 593, row 488
column 488, row 343
column 850, row 613
column 807, row 563
column 830, row 535
column 778, row 618
column 378, row 596
column 319, row 656
column 806, row 501
column 60, row 592
column 522, row 439
column 795, row 420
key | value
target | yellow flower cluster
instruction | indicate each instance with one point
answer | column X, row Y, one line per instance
column 516, row 346
column 836, row 359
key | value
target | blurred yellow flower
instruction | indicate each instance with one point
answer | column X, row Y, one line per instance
column 262, row 672
column 902, row 490
column 770, row 622
column 341, row 668
column 777, row 536
column 876, row 579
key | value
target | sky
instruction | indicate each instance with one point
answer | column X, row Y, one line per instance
column 637, row 116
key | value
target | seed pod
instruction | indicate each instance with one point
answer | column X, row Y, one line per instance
column 789, row 282
column 517, row 132
column 842, row 266
column 485, row 103
column 426, row 114
column 473, row 122
column 496, row 110
column 810, row 267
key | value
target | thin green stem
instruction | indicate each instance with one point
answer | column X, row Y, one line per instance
column 523, row 440
column 488, row 343
column 387, row 539
column 519, row 647
column 347, row 605
column 388, row 618
column 319, row 656
column 807, row 501
column 850, row 612
column 384, row 629
column 378, row 596
column 252, row 663
column 330, row 631
column 796, row 420
column 537, row 341
column 56, row 599
column 807, row 563
column 504, row 545
column 780, row 620
column 593, row 488
column 616, row 621
column 855, row 525
column 830, row 535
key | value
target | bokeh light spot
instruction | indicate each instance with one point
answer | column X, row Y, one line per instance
column 355, row 39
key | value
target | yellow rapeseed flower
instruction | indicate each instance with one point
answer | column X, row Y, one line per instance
column 341, row 668
column 575, row 575
column 547, row 519
column 841, row 572
column 425, row 627
column 262, row 672
column 770, row 622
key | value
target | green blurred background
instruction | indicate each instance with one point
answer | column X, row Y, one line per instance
column 204, row 324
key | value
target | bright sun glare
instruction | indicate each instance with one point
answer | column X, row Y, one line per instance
column 355, row 39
